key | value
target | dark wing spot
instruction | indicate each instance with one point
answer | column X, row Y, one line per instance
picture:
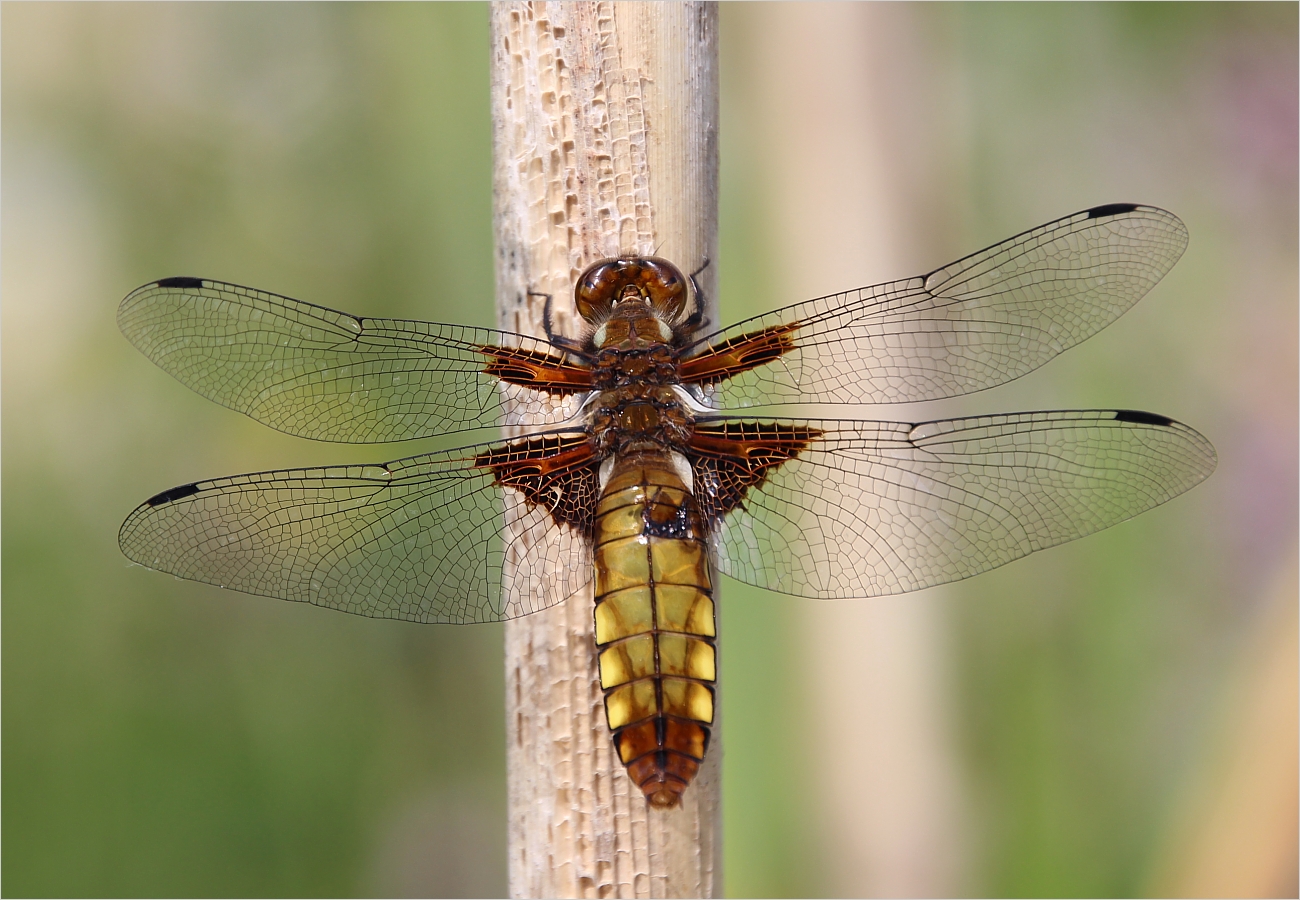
column 1142, row 418
column 181, row 281
column 176, row 493
column 1110, row 209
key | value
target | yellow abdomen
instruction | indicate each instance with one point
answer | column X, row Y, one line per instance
column 654, row 624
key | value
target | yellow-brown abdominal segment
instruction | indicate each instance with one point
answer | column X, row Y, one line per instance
column 654, row 625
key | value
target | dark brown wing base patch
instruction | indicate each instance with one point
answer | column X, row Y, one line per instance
column 536, row 370
column 557, row 472
column 731, row 457
column 739, row 354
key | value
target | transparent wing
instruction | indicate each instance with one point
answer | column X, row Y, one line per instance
column 427, row 539
column 317, row 373
column 979, row 322
column 871, row 508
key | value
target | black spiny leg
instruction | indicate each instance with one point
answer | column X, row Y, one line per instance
column 696, row 320
column 557, row 340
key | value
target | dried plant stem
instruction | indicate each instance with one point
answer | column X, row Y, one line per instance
column 605, row 143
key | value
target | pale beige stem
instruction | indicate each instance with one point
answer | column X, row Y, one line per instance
column 605, row 136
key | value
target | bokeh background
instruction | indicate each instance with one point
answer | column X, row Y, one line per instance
column 1114, row 717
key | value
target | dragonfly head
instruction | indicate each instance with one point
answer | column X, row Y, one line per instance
column 645, row 280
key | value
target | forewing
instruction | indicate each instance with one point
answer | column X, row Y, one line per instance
column 979, row 322
column 428, row 539
column 317, row 373
column 861, row 509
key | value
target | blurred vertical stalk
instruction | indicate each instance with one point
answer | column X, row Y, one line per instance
column 855, row 149
column 604, row 143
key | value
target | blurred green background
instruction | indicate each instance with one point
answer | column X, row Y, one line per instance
column 1099, row 703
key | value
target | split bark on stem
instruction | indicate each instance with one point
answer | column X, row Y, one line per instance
column 604, row 120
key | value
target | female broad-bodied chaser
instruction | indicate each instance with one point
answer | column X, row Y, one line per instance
column 630, row 475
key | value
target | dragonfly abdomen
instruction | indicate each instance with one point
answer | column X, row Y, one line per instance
column 655, row 629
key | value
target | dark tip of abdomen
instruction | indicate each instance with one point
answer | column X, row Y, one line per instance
column 1110, row 209
column 180, row 281
column 176, row 493
column 1142, row 418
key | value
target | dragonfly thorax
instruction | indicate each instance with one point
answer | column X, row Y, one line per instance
column 654, row 365
column 639, row 417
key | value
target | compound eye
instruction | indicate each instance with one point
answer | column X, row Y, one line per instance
column 597, row 289
column 665, row 285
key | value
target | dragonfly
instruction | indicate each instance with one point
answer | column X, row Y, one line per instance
column 636, row 468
